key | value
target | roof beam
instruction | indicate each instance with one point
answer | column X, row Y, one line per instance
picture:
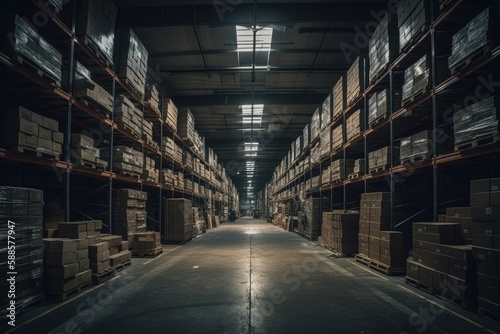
column 242, row 14
column 248, row 69
column 219, row 52
column 240, row 99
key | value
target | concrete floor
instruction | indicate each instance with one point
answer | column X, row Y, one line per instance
column 251, row 277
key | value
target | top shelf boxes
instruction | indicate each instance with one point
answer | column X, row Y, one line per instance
column 96, row 23
column 413, row 18
column 383, row 46
column 132, row 61
column 355, row 81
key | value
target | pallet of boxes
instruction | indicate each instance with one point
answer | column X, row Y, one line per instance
column 339, row 232
column 146, row 244
column 21, row 211
column 379, row 247
column 485, row 214
column 178, row 220
column 129, row 213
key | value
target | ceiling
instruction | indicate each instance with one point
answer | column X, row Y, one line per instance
column 193, row 49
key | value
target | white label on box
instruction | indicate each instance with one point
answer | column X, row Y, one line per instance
column 489, row 211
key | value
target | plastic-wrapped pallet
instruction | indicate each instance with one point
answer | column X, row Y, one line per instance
column 185, row 125
column 171, row 114
column 21, row 213
column 413, row 16
column 416, row 79
column 337, row 137
column 315, row 125
column 383, row 46
column 379, row 159
column 178, row 220
column 326, row 142
column 355, row 85
column 339, row 97
column 326, row 112
column 339, row 231
column 313, row 208
column 96, row 23
column 132, row 60
column 305, row 136
column 475, row 35
column 152, row 94
column 129, row 212
column 32, row 47
column 476, row 121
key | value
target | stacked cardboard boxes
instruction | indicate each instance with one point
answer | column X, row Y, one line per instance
column 326, row 112
column 132, row 60
column 315, row 125
column 147, row 133
column 298, row 146
column 380, row 159
column 378, row 106
column 341, row 168
column 119, row 254
column 151, row 173
column 152, row 96
column 441, row 261
column 463, row 217
column 185, row 126
column 416, row 80
column 485, row 211
column 376, row 240
column 91, row 93
column 171, row 114
column 313, row 208
column 146, row 243
column 354, row 81
column 167, row 177
column 83, row 150
column 24, row 207
column 99, row 257
column 199, row 224
column 306, row 137
column 96, row 23
column 354, row 125
column 326, row 176
column 359, row 166
column 413, row 16
column 339, row 97
column 90, row 230
column 475, row 35
column 383, row 46
column 315, row 154
column 178, row 220
column 340, row 231
column 129, row 212
column 126, row 160
column 128, row 115
column 337, row 137
column 30, row 46
column 24, row 129
column 326, row 142
column 418, row 145
column 476, row 121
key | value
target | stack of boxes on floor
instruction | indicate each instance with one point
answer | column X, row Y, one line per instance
column 376, row 241
column 312, row 214
column 339, row 231
column 485, row 202
column 460, row 216
column 178, row 220
column 146, row 243
column 129, row 212
column 21, row 212
column 119, row 253
column 440, row 262
column 27, row 130
column 199, row 224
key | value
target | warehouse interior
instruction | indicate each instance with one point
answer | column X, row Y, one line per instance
column 250, row 166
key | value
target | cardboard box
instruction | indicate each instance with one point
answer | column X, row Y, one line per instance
column 479, row 186
column 486, row 214
column 100, row 257
column 488, row 288
column 98, row 248
column 59, row 259
column 391, row 239
column 99, row 267
column 82, row 244
column 83, row 265
column 412, row 269
column 425, row 276
column 59, row 245
column 61, row 272
column 112, row 240
column 481, row 254
column 82, row 254
column 84, row 277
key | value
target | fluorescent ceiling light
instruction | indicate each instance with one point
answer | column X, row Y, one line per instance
column 251, row 155
column 255, row 120
column 251, row 147
column 258, row 110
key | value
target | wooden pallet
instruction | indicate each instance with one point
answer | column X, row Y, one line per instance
column 58, row 296
column 462, row 304
column 476, row 55
column 379, row 169
column 414, row 96
column 420, row 286
column 152, row 108
column 337, row 254
column 122, row 266
column 379, row 266
column 31, row 67
column 478, row 142
column 151, row 143
column 150, row 253
column 91, row 45
column 36, row 152
column 416, row 158
column 95, row 107
column 127, row 173
column 131, row 130
column 337, row 181
column 353, row 176
column 84, row 163
column 101, row 167
column 377, row 121
column 131, row 85
column 104, row 276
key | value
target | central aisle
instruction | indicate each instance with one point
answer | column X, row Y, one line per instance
column 252, row 277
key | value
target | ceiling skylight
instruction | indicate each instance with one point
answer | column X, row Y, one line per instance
column 244, row 37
